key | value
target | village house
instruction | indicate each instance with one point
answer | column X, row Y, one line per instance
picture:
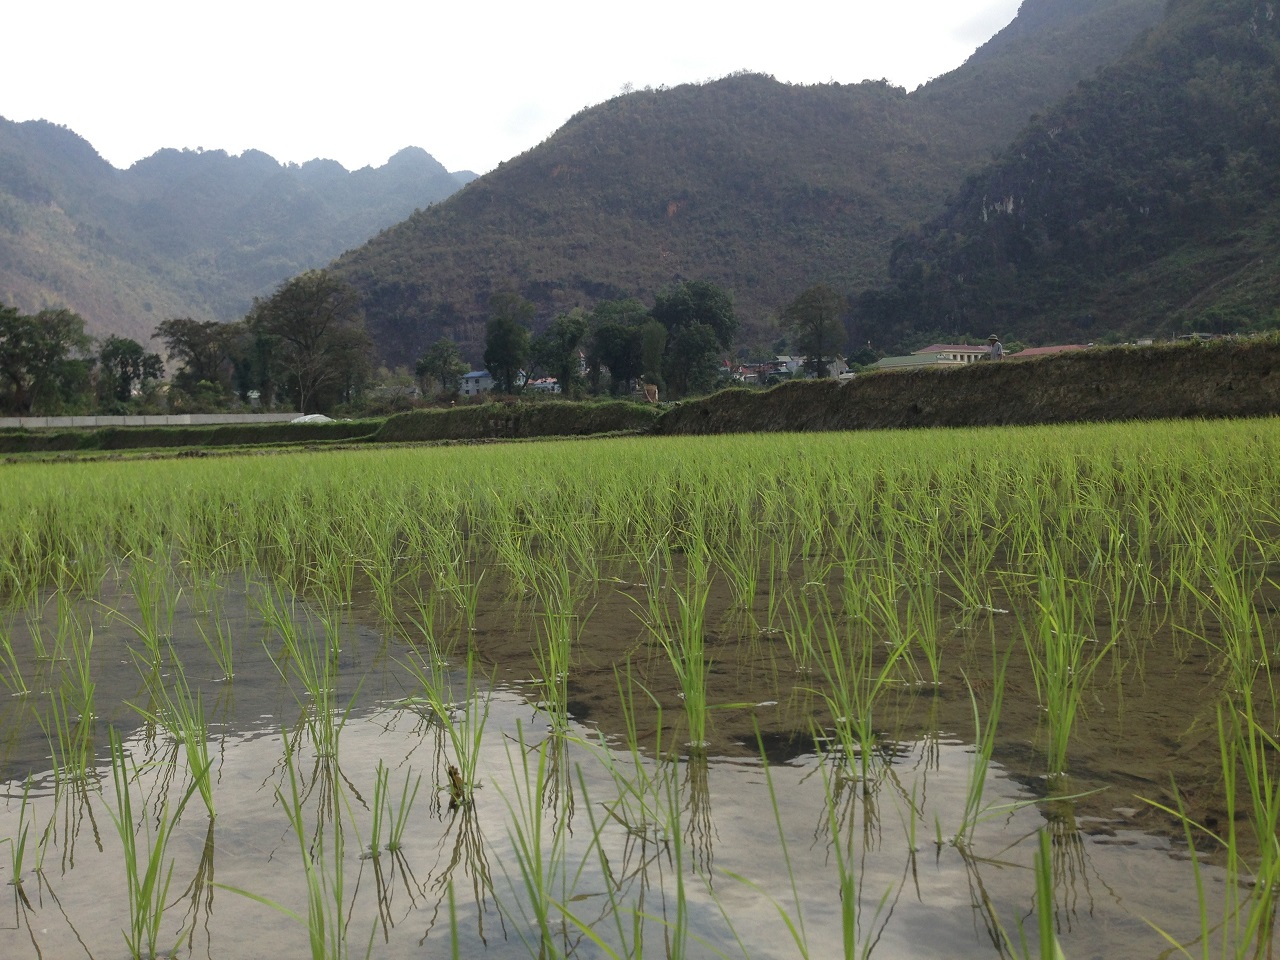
column 475, row 383
column 959, row 352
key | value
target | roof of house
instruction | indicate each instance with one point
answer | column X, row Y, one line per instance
column 915, row 360
column 953, row 348
column 476, row 373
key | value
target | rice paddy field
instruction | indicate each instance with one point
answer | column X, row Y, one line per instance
column 970, row 693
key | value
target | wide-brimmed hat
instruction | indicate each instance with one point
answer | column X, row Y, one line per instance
column 993, row 337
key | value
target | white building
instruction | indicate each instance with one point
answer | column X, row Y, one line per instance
column 475, row 383
column 958, row 352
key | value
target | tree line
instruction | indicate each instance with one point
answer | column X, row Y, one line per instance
column 305, row 347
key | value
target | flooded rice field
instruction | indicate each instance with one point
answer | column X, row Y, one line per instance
column 964, row 694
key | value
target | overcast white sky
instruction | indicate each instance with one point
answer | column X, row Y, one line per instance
column 472, row 84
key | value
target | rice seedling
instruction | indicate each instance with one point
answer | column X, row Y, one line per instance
column 856, row 670
column 220, row 644
column 682, row 636
column 390, row 817
column 147, row 868
column 18, row 842
column 181, row 713
column 462, row 715
column 541, row 854
column 71, row 738
column 984, row 735
column 1063, row 658
column 11, row 674
column 78, row 684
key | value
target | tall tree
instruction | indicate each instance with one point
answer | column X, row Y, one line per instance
column 557, row 349
column 39, row 368
column 700, row 322
column 653, row 347
column 441, row 364
column 123, row 363
column 317, row 328
column 615, row 342
column 506, row 344
column 816, row 321
column 202, row 347
column 692, row 361
column 693, row 302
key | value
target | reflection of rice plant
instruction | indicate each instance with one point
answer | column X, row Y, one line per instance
column 146, row 871
column 327, row 918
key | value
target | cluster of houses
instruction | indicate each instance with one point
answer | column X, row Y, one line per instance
column 958, row 354
column 780, row 368
column 477, row 382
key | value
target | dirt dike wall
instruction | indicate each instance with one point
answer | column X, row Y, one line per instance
column 1206, row 380
column 514, row 419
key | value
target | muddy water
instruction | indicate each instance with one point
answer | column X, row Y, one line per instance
column 756, row 825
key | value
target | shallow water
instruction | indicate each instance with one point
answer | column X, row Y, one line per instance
column 732, row 851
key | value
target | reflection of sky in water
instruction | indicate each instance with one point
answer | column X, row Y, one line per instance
column 933, row 901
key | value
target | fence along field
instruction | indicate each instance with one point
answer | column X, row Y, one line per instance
column 974, row 692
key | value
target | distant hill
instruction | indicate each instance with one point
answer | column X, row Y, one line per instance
column 1146, row 203
column 183, row 232
column 760, row 186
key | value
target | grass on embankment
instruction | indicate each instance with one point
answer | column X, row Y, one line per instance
column 504, row 419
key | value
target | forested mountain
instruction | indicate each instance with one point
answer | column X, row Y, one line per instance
column 181, row 233
column 761, row 187
column 1147, row 202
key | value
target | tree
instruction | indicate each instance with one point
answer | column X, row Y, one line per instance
column 692, row 360
column 694, row 302
column 556, row 349
column 653, row 347
column 617, row 348
column 202, row 347
column 316, row 330
column 441, row 364
column 816, row 321
column 123, row 363
column 615, row 342
column 38, row 366
column 506, row 344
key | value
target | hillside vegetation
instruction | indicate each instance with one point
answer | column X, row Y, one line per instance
column 1144, row 203
column 181, row 233
column 761, row 187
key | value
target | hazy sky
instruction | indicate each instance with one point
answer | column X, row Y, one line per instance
column 472, row 85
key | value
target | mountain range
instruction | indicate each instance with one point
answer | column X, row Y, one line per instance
column 194, row 233
column 1098, row 169
column 759, row 186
